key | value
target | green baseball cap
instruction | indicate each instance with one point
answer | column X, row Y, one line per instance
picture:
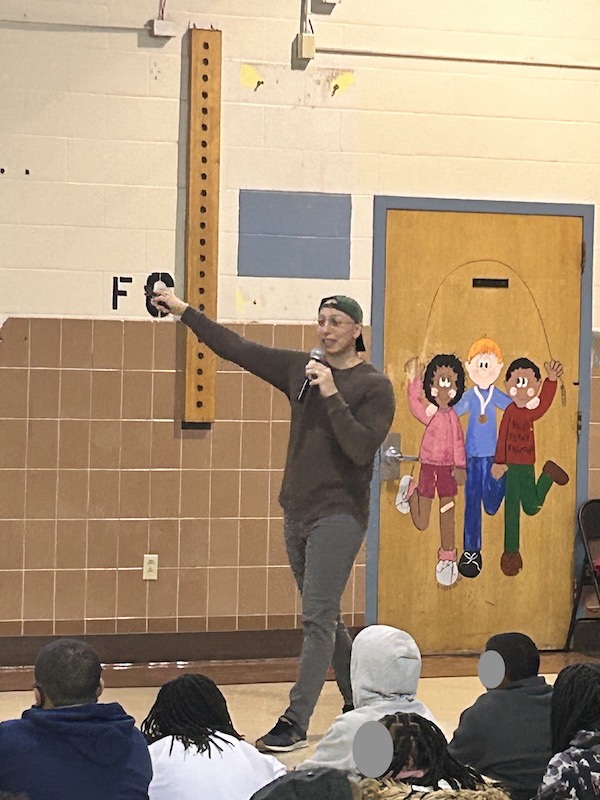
column 349, row 306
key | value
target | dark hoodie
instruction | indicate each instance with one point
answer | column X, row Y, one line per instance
column 88, row 752
column 505, row 735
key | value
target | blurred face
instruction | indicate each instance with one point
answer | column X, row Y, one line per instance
column 522, row 386
column 484, row 369
column 337, row 331
column 443, row 386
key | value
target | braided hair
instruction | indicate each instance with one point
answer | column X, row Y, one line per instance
column 575, row 703
column 420, row 744
column 192, row 709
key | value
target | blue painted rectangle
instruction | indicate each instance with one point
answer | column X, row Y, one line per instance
column 294, row 234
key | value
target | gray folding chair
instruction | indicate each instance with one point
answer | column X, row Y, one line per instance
column 589, row 528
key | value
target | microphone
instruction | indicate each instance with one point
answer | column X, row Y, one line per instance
column 316, row 354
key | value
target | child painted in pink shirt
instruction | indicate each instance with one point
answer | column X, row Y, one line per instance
column 442, row 453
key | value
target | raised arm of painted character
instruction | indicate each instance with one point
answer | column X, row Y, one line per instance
column 554, row 370
column 546, row 395
column 414, row 376
column 414, row 369
column 431, row 407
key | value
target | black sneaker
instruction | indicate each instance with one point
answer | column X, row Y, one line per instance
column 284, row 737
column 470, row 563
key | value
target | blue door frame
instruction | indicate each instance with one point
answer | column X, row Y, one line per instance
column 384, row 204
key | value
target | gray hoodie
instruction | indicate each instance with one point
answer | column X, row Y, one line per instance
column 384, row 670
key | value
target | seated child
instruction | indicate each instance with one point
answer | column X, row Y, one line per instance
column 385, row 667
column 195, row 750
column 422, row 767
column 574, row 771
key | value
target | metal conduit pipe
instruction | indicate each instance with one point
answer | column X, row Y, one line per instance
column 455, row 59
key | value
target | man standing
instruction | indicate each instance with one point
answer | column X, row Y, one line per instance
column 505, row 734
column 339, row 418
column 69, row 745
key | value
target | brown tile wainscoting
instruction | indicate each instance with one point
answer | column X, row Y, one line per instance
column 144, row 659
column 280, row 666
column 95, row 471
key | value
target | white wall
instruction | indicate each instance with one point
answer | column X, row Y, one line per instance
column 96, row 110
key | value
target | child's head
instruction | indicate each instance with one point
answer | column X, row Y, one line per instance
column 575, row 703
column 421, row 754
column 444, row 381
column 192, row 709
column 484, row 362
column 523, row 381
column 519, row 653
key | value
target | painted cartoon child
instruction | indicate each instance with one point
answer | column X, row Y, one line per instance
column 484, row 364
column 515, row 452
column 442, row 452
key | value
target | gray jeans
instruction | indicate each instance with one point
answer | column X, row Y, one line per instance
column 321, row 556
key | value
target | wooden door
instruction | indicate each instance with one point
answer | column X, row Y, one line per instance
column 451, row 279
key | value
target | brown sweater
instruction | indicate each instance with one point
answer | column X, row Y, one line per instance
column 333, row 440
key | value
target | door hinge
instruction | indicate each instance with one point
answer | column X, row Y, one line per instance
column 579, row 425
column 582, row 257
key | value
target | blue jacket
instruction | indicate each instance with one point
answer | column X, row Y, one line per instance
column 91, row 751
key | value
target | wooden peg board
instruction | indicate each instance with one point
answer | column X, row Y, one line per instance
column 202, row 225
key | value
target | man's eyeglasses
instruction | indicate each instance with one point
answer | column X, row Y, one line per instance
column 334, row 322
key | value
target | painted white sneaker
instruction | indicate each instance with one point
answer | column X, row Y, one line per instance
column 446, row 572
column 402, row 496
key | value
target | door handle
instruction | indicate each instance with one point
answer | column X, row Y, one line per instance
column 391, row 457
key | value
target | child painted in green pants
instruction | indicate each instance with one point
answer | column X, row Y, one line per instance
column 522, row 491
column 515, row 452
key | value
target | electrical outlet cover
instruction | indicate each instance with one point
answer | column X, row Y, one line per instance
column 150, row 567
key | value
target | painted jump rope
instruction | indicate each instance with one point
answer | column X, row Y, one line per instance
column 492, row 465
